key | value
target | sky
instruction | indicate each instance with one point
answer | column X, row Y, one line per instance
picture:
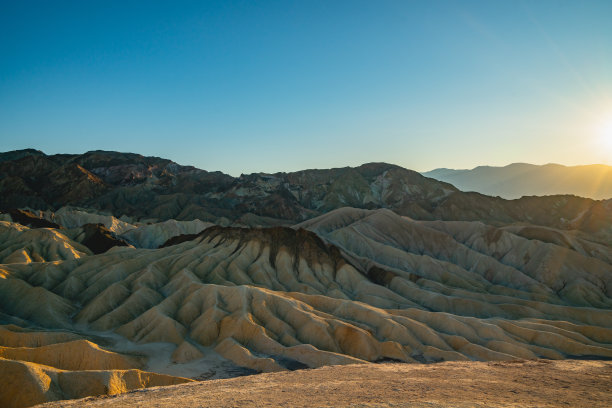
column 248, row 86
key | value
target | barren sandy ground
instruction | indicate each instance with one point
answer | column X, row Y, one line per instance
column 540, row 383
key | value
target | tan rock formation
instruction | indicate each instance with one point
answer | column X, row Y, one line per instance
column 73, row 355
column 15, row 336
column 25, row 384
column 153, row 235
column 422, row 291
column 348, row 287
column 20, row 244
column 186, row 352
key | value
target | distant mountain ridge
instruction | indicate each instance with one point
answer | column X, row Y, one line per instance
column 521, row 179
column 152, row 189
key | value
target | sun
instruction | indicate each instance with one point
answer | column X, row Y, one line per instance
column 605, row 134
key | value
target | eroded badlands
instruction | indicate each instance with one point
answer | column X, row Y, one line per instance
column 349, row 287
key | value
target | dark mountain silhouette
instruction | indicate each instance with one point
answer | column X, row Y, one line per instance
column 159, row 189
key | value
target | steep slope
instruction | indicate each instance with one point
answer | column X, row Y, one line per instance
column 25, row 384
column 521, row 179
column 19, row 154
column 42, row 182
column 47, row 237
column 141, row 235
column 98, row 232
column 29, row 219
column 351, row 286
column 414, row 271
column 276, row 198
column 154, row 235
column 39, row 366
column 69, row 217
column 98, row 238
column 593, row 218
column 269, row 299
column 471, row 257
column 74, row 355
column 22, row 244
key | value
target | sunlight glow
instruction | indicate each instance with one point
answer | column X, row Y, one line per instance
column 605, row 133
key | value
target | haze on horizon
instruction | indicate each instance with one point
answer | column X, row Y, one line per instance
column 243, row 87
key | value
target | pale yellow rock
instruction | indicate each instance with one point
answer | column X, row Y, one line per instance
column 25, row 384
column 72, row 355
column 186, row 352
column 241, row 356
column 154, row 235
column 20, row 244
column 73, row 218
column 15, row 336
column 390, row 288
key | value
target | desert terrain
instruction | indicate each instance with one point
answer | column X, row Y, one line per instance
column 305, row 203
column 120, row 273
column 540, row 383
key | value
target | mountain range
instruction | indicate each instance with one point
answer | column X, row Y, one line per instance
column 521, row 179
column 120, row 272
column 155, row 189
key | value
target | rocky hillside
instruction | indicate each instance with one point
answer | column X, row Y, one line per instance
column 154, row 189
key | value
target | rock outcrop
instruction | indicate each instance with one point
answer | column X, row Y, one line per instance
column 25, row 384
column 40, row 366
column 22, row 244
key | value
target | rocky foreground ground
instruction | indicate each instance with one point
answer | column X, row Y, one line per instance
column 540, row 383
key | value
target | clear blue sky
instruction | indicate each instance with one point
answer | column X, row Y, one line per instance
column 244, row 86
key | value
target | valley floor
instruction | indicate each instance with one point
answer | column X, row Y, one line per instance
column 540, row 383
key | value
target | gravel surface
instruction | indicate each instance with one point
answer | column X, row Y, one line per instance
column 540, row 383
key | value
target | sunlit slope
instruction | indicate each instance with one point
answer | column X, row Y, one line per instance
column 25, row 384
column 155, row 234
column 22, row 244
column 39, row 366
column 74, row 217
column 390, row 288
column 141, row 235
column 473, row 257
column 87, row 227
